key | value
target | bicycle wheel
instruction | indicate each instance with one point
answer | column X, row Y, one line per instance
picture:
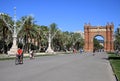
column 16, row 61
column 22, row 59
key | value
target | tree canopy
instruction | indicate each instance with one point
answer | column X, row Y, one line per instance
column 34, row 36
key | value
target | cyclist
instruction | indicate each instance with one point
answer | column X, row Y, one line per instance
column 19, row 54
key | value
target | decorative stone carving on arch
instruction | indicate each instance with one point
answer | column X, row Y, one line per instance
column 106, row 31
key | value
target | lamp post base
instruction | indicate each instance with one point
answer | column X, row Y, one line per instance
column 49, row 50
column 13, row 51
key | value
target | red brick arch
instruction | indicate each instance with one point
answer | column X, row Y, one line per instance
column 105, row 31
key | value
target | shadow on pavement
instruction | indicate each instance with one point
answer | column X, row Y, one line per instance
column 114, row 58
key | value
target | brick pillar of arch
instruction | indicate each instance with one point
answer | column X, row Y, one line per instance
column 109, row 38
column 105, row 31
column 87, row 38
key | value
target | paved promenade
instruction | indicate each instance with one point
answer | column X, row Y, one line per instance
column 70, row 67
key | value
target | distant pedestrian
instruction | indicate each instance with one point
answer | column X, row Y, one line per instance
column 93, row 51
column 81, row 50
column 74, row 51
column 31, row 54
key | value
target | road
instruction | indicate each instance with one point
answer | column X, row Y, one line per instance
column 69, row 67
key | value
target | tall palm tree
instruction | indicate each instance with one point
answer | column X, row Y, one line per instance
column 28, row 32
column 53, row 30
column 67, row 40
column 71, row 40
column 43, row 30
column 6, row 34
column 77, row 41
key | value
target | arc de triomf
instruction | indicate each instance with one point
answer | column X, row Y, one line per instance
column 105, row 31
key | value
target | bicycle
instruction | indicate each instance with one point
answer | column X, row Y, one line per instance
column 19, row 59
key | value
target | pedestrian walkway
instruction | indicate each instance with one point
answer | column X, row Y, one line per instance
column 69, row 67
column 101, row 66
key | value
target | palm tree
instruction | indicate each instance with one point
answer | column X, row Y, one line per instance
column 53, row 30
column 28, row 32
column 57, row 44
column 6, row 34
column 62, row 41
column 77, row 41
column 66, row 40
column 43, row 30
column 71, row 40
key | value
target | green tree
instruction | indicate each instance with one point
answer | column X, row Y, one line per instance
column 54, row 30
column 5, row 32
column 117, row 39
column 77, row 41
column 97, row 45
column 43, row 30
column 28, row 32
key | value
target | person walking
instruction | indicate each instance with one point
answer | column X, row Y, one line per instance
column 31, row 54
column 93, row 51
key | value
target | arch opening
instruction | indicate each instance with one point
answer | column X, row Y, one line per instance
column 98, row 43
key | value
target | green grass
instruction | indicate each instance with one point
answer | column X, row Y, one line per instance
column 7, row 58
column 12, row 58
column 115, row 62
column 37, row 55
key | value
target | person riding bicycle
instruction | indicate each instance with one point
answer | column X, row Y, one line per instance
column 19, row 54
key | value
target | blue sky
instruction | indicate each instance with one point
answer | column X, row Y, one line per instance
column 69, row 15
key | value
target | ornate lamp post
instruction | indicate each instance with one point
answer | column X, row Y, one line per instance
column 14, row 32
column 49, row 50
column 50, row 37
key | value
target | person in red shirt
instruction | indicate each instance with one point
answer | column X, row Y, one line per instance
column 20, row 54
column 19, row 51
